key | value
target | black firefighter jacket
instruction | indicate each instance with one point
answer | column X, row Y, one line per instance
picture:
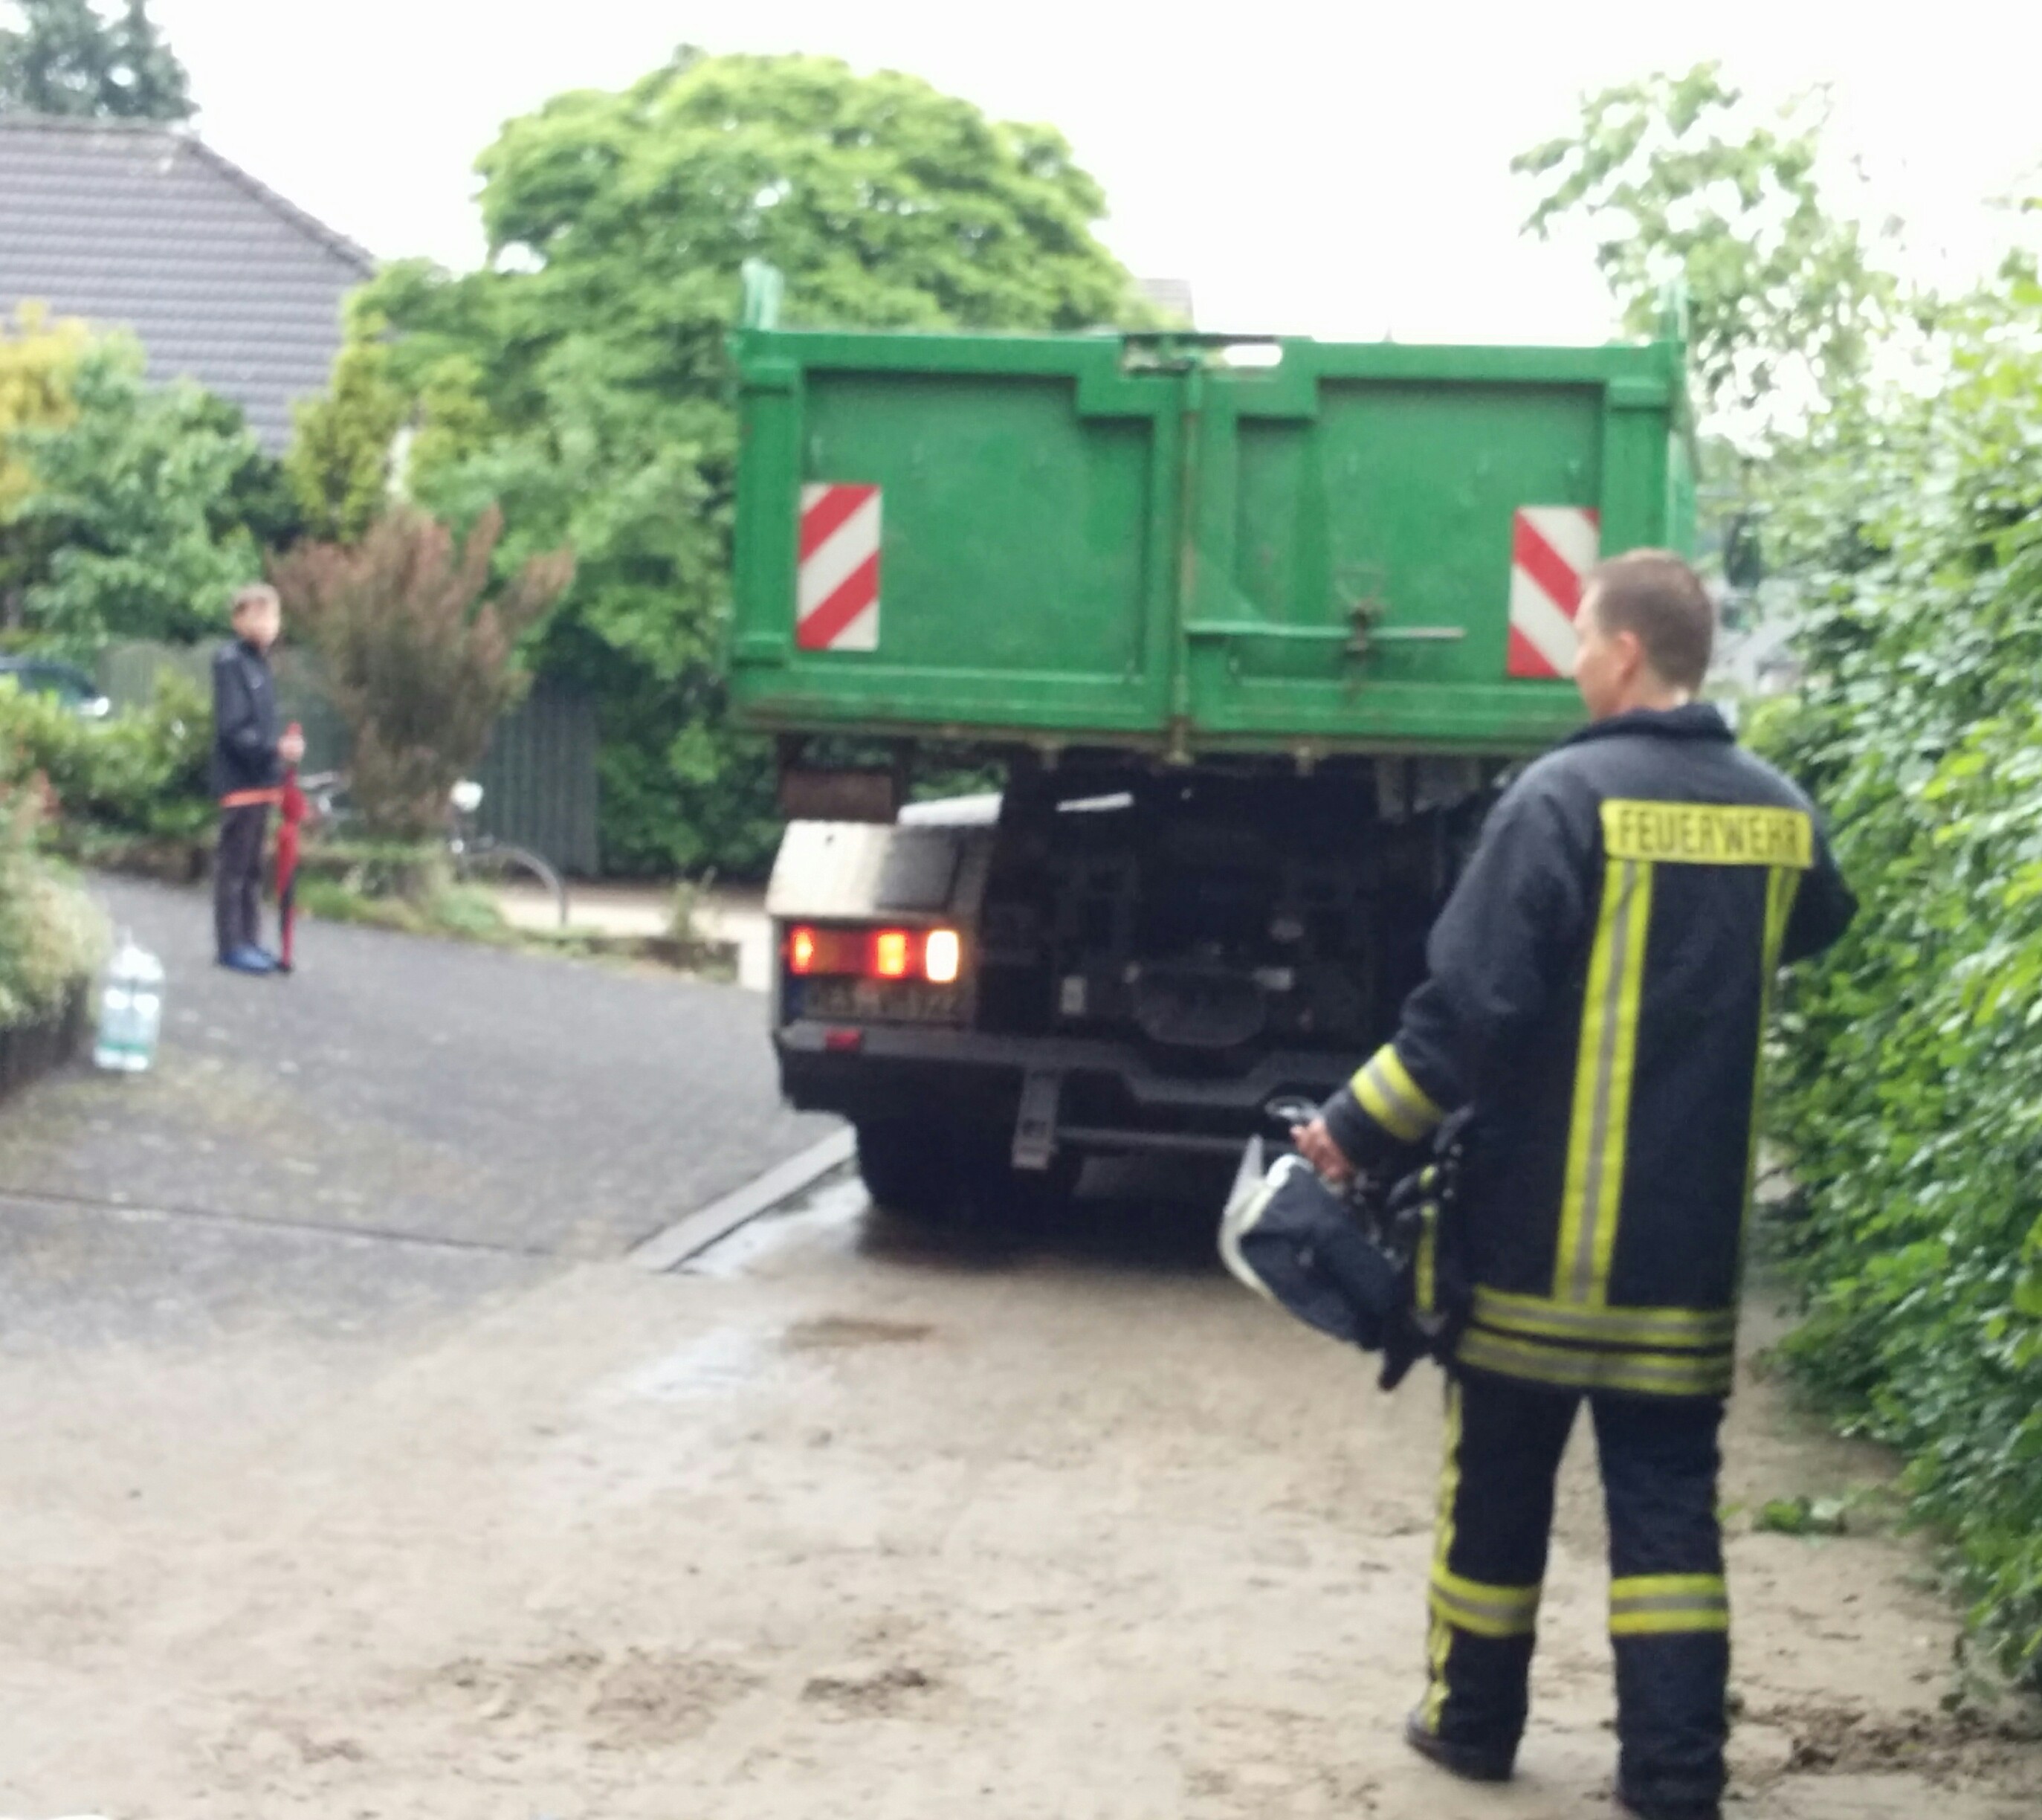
column 1597, row 994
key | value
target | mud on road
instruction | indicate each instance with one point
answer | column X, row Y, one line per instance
column 844, row 1519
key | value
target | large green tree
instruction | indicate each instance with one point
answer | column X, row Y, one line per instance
column 67, row 57
column 582, row 381
column 1678, row 177
column 1681, row 180
column 338, row 462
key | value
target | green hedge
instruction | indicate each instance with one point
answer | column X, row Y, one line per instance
column 51, row 935
column 141, row 773
column 1907, row 1089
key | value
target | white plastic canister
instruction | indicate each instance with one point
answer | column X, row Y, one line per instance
column 131, row 1008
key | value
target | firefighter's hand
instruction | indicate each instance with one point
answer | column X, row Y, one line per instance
column 1315, row 1144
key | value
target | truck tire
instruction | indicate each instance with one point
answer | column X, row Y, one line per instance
column 908, row 1169
column 955, row 1177
column 1032, row 1195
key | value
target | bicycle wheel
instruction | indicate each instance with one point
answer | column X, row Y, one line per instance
column 495, row 858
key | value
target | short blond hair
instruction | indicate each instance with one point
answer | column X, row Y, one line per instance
column 253, row 594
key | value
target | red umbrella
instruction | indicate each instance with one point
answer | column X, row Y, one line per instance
column 291, row 811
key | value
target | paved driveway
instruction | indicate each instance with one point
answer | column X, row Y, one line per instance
column 472, row 1111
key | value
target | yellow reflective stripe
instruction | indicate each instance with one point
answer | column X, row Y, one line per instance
column 1399, row 1079
column 1485, row 1610
column 1439, row 1642
column 1781, row 889
column 1390, row 1096
column 1647, row 1373
column 1536, row 1318
column 1478, row 1620
column 1663, row 1624
column 1629, row 1003
column 1425, row 1270
column 1440, row 1636
column 1603, row 1070
column 1595, row 1008
column 1658, row 1604
column 1631, row 1586
column 1708, row 833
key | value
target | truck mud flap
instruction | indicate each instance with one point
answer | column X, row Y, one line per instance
column 1035, row 1127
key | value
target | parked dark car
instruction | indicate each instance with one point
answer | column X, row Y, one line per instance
column 67, row 683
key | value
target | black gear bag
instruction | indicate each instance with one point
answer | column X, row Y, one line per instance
column 1379, row 1271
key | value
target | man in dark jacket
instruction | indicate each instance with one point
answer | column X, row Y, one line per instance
column 249, row 754
column 1597, row 994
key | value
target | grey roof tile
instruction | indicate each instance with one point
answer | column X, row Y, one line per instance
column 138, row 226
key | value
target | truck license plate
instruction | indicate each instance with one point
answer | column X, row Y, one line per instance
column 878, row 1001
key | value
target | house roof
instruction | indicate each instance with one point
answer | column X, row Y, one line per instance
column 134, row 225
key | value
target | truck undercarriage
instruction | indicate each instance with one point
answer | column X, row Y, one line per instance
column 1146, row 960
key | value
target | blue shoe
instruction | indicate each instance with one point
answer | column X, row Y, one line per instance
column 249, row 960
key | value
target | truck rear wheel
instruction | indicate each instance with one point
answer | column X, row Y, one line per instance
column 926, row 1173
column 907, row 1168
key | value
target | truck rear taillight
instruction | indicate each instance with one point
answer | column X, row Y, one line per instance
column 942, row 955
column 828, row 951
column 935, row 955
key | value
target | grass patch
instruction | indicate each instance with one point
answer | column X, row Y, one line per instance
column 457, row 910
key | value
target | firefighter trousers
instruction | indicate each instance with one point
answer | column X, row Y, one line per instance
column 1669, row 1614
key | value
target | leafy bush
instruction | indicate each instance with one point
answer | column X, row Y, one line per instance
column 149, row 501
column 142, row 773
column 419, row 664
column 37, row 359
column 52, row 936
column 1906, row 1089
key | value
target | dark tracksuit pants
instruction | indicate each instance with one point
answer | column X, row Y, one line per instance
column 237, row 877
column 1669, row 1615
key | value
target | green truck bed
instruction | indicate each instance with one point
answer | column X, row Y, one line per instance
column 1124, row 542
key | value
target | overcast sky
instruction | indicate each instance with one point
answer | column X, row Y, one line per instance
column 1334, row 170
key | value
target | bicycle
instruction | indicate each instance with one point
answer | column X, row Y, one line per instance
column 470, row 849
column 474, row 853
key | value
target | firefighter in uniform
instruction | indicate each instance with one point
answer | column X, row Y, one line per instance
column 1597, row 995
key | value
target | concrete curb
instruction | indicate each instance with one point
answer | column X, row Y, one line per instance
column 696, row 1232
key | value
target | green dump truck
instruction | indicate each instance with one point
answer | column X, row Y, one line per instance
column 1248, row 630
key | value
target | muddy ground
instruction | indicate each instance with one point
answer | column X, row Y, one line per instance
column 847, row 1521
column 397, row 1507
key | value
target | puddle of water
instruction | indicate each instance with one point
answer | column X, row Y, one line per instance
column 828, row 1215
column 725, row 1359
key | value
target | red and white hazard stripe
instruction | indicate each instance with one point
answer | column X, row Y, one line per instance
column 837, row 607
column 1552, row 549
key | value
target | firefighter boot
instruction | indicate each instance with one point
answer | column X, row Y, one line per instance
column 1668, row 1612
column 1471, row 1763
column 1503, row 1446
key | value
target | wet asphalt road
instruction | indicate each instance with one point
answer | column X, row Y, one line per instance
column 402, row 1126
